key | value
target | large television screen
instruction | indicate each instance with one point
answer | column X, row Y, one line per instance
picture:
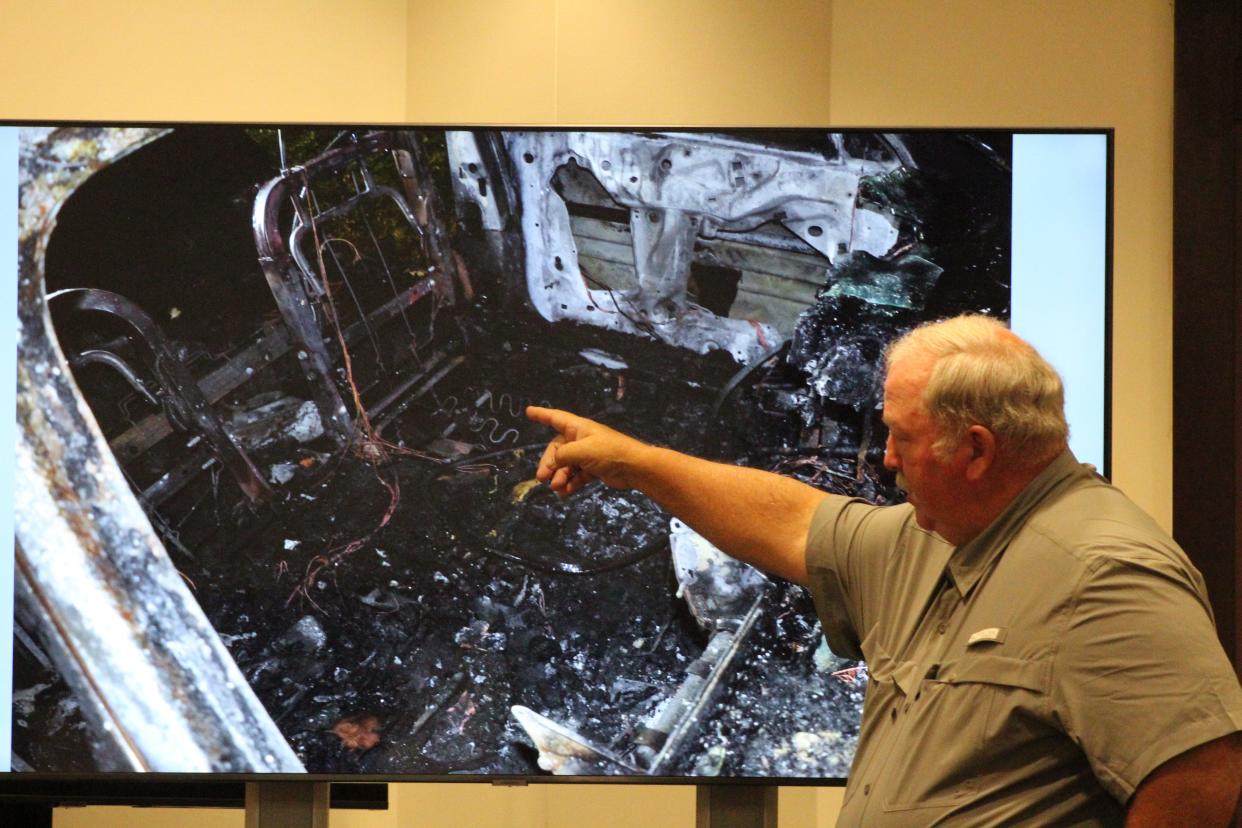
column 274, row 501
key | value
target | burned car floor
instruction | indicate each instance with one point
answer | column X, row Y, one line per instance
column 310, row 351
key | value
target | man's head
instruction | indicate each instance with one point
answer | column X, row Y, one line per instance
column 973, row 413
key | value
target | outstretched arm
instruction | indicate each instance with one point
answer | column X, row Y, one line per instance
column 755, row 516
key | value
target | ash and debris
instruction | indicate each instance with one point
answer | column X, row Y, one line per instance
column 394, row 607
column 49, row 729
column 408, row 655
column 715, row 587
column 783, row 713
column 433, row 629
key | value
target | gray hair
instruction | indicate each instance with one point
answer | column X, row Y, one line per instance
column 985, row 374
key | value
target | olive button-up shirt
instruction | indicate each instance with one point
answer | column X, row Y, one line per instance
column 1033, row 676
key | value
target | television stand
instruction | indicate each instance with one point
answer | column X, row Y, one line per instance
column 305, row 805
column 286, row 805
column 734, row 806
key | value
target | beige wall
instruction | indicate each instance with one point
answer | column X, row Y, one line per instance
column 651, row 62
column 232, row 60
column 1106, row 63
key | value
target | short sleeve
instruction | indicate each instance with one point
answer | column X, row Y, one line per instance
column 1139, row 676
column 847, row 547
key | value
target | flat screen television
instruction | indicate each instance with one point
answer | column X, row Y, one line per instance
column 273, row 494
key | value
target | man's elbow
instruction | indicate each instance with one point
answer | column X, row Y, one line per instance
column 794, row 568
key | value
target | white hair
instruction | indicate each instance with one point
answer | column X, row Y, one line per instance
column 984, row 374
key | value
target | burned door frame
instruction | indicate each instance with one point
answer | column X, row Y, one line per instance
column 92, row 576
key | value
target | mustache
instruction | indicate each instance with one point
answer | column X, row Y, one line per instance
column 902, row 483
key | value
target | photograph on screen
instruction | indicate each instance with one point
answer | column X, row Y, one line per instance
column 279, row 510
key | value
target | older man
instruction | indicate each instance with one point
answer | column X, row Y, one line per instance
column 1040, row 651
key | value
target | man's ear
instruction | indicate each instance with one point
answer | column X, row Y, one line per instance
column 982, row 443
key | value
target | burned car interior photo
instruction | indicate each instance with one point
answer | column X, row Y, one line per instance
column 276, row 496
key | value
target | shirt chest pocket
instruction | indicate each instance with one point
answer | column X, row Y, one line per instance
column 1012, row 692
column 958, row 718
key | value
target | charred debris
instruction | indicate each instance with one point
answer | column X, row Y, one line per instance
column 309, row 352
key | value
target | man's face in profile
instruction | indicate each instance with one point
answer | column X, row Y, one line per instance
column 932, row 482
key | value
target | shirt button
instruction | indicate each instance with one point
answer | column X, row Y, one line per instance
column 894, row 714
column 943, row 626
column 866, row 790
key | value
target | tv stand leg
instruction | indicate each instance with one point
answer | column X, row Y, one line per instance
column 735, row 806
column 286, row 805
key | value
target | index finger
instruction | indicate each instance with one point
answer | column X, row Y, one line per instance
column 554, row 417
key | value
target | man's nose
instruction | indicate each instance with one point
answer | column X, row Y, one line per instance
column 890, row 456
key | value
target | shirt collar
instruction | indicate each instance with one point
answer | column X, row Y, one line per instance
column 969, row 561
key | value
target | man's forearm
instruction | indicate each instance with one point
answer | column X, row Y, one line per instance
column 755, row 516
